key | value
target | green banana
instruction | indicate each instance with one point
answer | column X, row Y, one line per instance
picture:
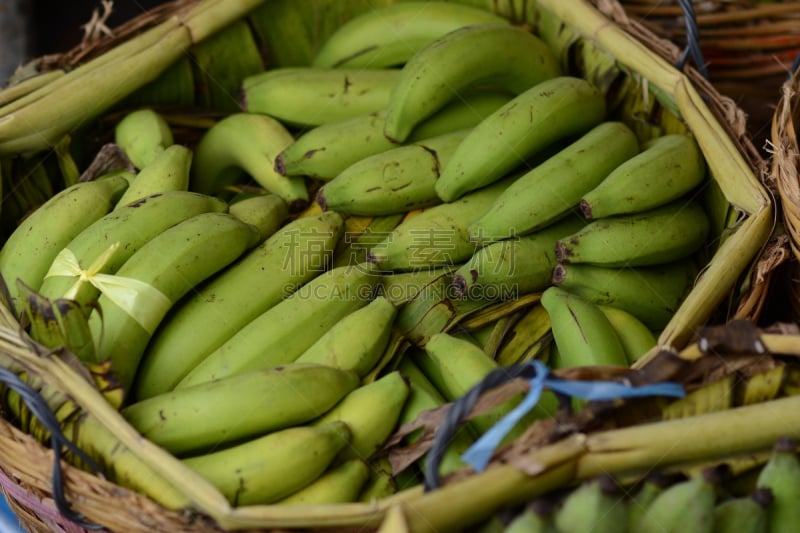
column 544, row 114
column 228, row 302
column 388, row 36
column 496, row 54
column 267, row 212
column 581, row 331
column 422, row 397
column 593, row 506
column 438, row 235
column 781, row 474
column 155, row 277
column 142, row 135
column 340, row 346
column 509, row 268
column 200, row 418
column 636, row 338
column 683, row 506
column 269, row 468
column 652, row 485
column 536, row 517
column 33, row 245
column 455, row 365
column 652, row 294
column 381, row 482
column 309, row 96
column 245, row 143
column 553, row 188
column 340, row 484
column 660, row 235
column 167, row 171
column 219, row 63
column 668, row 167
column 327, row 150
column 371, row 412
column 744, row 514
column 284, row 331
column 402, row 287
column 393, row 181
column 104, row 246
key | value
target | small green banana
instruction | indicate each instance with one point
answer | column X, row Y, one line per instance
column 660, row 235
column 393, row 181
column 495, row 54
column 423, row 396
column 536, row 517
column 168, row 171
column 268, row 468
column 200, row 418
column 781, row 474
column 381, row 482
column 581, row 331
column 108, row 243
column 33, row 245
column 390, row 35
column 683, row 506
column 340, row 346
column 403, row 287
column 311, row 96
column 325, row 151
column 284, row 331
column 516, row 266
column 744, row 514
column 245, row 143
column 544, row 114
column 339, row 484
column 593, row 506
column 267, row 212
column 455, row 365
column 371, row 412
column 652, row 485
column 226, row 303
column 652, row 294
column 636, row 338
column 142, row 135
column 438, row 235
column 553, row 188
column 155, row 277
column 669, row 167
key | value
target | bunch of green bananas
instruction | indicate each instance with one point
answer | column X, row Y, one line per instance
column 701, row 501
column 423, row 172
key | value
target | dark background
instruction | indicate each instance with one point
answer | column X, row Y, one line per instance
column 55, row 25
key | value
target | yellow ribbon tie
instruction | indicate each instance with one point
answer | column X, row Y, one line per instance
column 144, row 303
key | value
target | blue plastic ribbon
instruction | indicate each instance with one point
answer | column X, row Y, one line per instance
column 479, row 454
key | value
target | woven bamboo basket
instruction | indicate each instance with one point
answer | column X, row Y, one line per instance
column 784, row 174
column 734, row 284
column 748, row 47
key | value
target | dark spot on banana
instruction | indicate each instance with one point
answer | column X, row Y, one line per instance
column 474, row 274
column 309, row 154
column 161, row 415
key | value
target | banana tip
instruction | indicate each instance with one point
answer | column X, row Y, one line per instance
column 586, row 209
column 280, row 165
column 459, row 284
column 323, row 204
column 559, row 274
column 562, row 252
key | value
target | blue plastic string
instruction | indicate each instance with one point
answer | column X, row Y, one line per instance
column 479, row 454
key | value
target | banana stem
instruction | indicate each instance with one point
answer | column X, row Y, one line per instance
column 94, row 87
column 721, row 434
